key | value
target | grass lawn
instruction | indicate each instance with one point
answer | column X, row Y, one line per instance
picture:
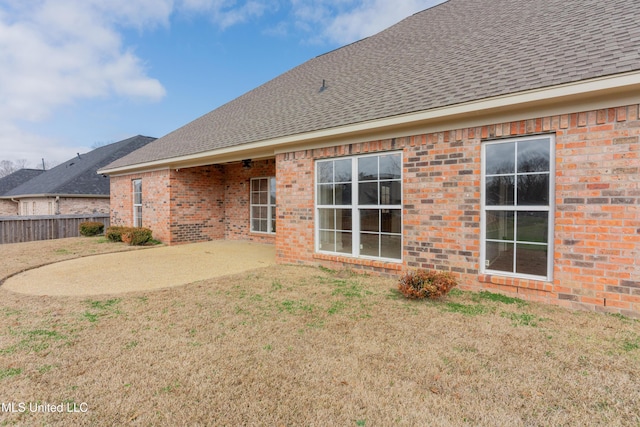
column 292, row 346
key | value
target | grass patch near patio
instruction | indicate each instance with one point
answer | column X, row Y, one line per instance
column 290, row 345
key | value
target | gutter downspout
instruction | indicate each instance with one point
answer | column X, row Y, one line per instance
column 18, row 203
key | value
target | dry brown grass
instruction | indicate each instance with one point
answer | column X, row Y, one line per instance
column 305, row 346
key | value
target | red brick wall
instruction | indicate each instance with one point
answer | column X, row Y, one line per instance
column 196, row 204
column 597, row 226
column 237, row 199
column 598, row 210
column 294, row 189
column 155, row 202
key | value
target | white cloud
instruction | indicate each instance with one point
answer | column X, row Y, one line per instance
column 33, row 148
column 369, row 18
column 61, row 51
column 345, row 21
column 226, row 13
column 251, row 9
column 56, row 53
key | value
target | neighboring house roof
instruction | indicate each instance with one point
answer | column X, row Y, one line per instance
column 458, row 52
column 78, row 176
column 17, row 178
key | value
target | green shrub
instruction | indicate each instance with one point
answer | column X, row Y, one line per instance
column 130, row 235
column 114, row 233
column 426, row 284
column 91, row 228
column 136, row 236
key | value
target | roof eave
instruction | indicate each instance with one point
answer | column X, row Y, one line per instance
column 596, row 93
column 53, row 195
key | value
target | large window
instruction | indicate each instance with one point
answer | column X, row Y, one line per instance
column 359, row 206
column 263, row 205
column 137, row 202
column 517, row 216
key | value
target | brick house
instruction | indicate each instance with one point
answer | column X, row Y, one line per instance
column 73, row 187
column 11, row 181
column 498, row 140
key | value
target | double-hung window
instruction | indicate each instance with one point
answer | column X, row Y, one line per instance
column 263, row 205
column 359, row 206
column 517, row 214
column 137, row 202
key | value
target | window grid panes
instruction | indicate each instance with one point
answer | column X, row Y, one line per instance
column 137, row 202
column 361, row 216
column 263, row 205
column 517, row 206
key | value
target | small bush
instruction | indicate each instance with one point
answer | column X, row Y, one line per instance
column 426, row 284
column 91, row 228
column 130, row 235
column 114, row 233
column 136, row 236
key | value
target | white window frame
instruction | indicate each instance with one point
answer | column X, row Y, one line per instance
column 270, row 205
column 355, row 208
column 516, row 208
column 136, row 206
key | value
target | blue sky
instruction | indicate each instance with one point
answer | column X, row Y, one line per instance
column 76, row 73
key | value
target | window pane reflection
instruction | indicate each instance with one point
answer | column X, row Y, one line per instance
column 370, row 244
column 499, row 225
column 499, row 256
column 533, row 189
column 391, row 221
column 390, row 166
column 533, row 156
column 500, row 158
column 370, row 220
column 531, row 259
column 368, row 193
column 533, row 227
column 390, row 246
column 499, row 190
column 368, row 168
column 343, row 170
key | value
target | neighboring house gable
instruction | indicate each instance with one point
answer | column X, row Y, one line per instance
column 11, row 181
column 498, row 140
column 73, row 187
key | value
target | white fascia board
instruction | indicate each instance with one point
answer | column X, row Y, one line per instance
column 585, row 95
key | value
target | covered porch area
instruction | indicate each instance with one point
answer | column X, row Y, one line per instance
column 224, row 201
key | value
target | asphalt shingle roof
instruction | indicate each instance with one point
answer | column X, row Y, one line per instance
column 17, row 178
column 456, row 52
column 78, row 176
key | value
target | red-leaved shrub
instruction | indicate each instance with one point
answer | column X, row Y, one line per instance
column 426, row 284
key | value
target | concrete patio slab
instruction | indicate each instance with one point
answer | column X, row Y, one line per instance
column 142, row 270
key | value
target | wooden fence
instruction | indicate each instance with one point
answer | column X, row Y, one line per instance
column 16, row 229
